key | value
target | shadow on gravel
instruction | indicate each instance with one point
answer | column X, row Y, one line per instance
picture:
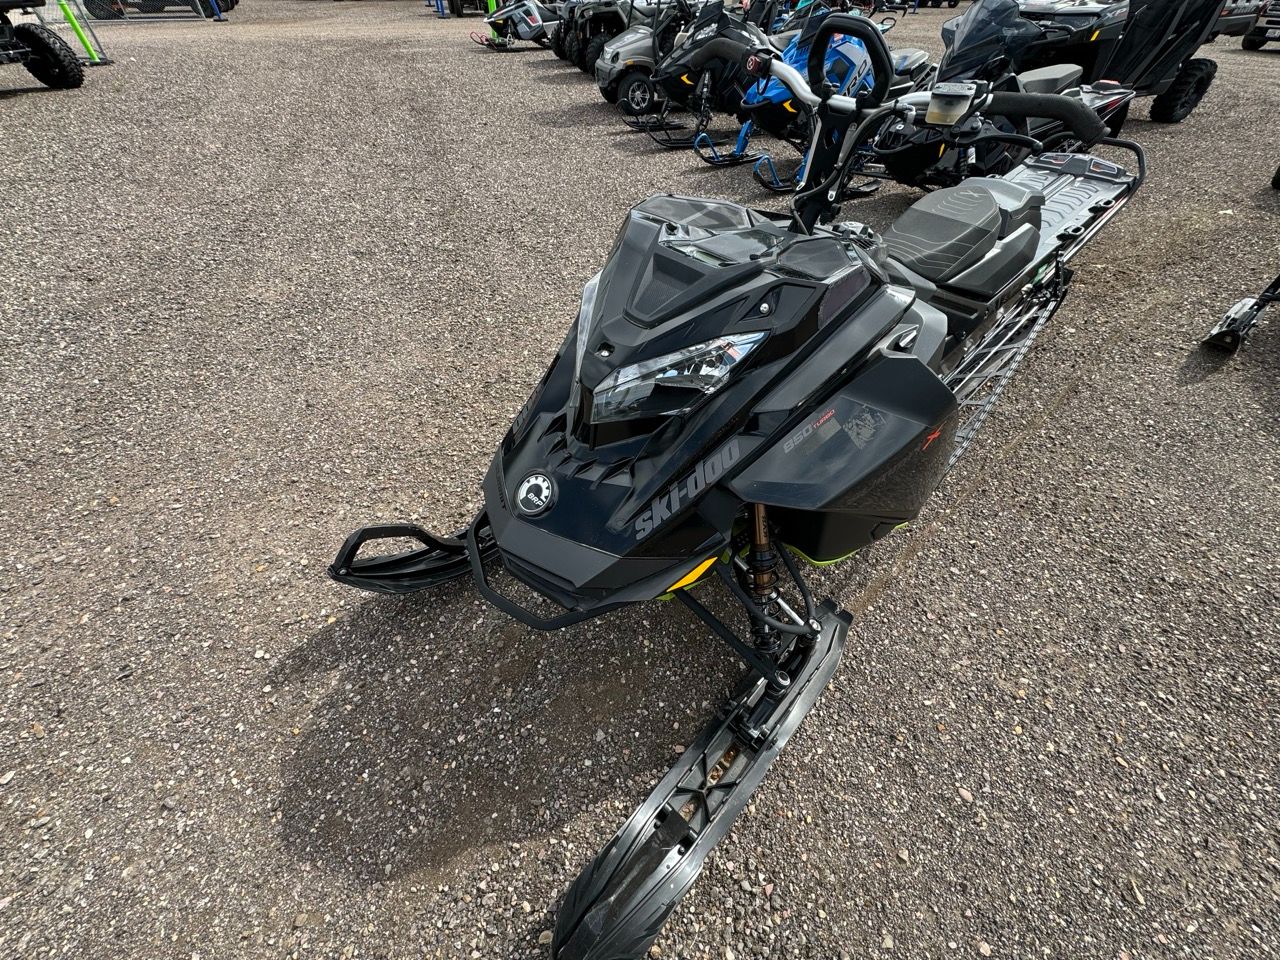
column 1201, row 364
column 591, row 115
column 446, row 726
column 23, row 91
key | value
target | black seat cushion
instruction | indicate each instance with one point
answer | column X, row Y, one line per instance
column 1051, row 79
column 945, row 232
column 907, row 60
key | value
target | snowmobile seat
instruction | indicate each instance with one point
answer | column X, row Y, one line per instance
column 780, row 41
column 907, row 60
column 1051, row 79
column 985, row 222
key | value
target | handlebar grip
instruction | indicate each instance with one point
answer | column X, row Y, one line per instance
column 1079, row 119
column 860, row 28
column 719, row 48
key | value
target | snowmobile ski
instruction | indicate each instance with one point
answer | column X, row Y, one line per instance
column 617, row 905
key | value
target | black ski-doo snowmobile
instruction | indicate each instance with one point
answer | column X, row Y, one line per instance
column 743, row 390
column 1147, row 46
column 713, row 85
column 981, row 45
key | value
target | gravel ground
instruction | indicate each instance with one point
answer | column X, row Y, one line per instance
column 259, row 291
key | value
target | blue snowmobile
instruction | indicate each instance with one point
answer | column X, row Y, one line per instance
column 770, row 106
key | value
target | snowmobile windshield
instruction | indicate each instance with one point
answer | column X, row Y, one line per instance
column 991, row 35
column 713, row 233
column 812, row 19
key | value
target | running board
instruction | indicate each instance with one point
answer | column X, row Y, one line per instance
column 618, row 904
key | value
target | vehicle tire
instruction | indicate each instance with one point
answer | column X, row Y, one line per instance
column 610, row 94
column 594, row 49
column 636, row 96
column 52, row 62
column 1253, row 43
column 455, row 8
column 1115, row 123
column 1275, row 179
column 557, row 40
column 571, row 47
column 1186, row 91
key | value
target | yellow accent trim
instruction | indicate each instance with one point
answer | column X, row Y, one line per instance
column 789, row 108
column 685, row 78
column 1095, row 36
column 697, row 571
column 942, row 148
column 818, row 563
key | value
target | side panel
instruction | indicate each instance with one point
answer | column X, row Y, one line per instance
column 863, row 461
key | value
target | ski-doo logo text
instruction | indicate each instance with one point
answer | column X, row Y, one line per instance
column 535, row 494
column 682, row 492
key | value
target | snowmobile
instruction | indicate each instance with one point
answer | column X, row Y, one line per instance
column 522, row 20
column 624, row 69
column 981, row 45
column 1265, row 28
column 1238, row 322
column 1147, row 46
column 716, row 86
column 46, row 55
column 769, row 106
column 744, row 390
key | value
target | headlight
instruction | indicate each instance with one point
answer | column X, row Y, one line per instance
column 704, row 33
column 671, row 384
column 616, row 55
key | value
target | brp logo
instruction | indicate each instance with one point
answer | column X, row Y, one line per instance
column 535, row 495
column 753, row 65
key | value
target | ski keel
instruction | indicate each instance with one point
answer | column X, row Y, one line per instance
column 617, row 905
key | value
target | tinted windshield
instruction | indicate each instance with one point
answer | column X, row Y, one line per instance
column 990, row 36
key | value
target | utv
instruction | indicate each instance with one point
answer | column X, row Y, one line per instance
column 625, row 66
column 593, row 23
column 1145, row 45
column 45, row 54
column 1265, row 28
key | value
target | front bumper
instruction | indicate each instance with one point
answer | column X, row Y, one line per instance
column 608, row 74
column 1266, row 27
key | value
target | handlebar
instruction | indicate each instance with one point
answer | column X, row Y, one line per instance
column 1078, row 118
column 860, row 28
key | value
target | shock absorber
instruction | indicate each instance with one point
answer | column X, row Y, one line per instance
column 763, row 576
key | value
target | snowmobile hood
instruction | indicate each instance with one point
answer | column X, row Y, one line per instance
column 616, row 469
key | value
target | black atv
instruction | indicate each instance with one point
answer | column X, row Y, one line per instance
column 1147, row 46
column 45, row 54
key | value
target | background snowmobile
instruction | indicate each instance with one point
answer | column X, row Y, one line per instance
column 1265, row 28
column 741, row 389
column 685, row 80
column 624, row 70
column 1238, row 322
column 1147, row 46
column 523, row 20
column 982, row 45
column 769, row 106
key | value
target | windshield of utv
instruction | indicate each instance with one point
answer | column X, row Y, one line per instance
column 990, row 37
